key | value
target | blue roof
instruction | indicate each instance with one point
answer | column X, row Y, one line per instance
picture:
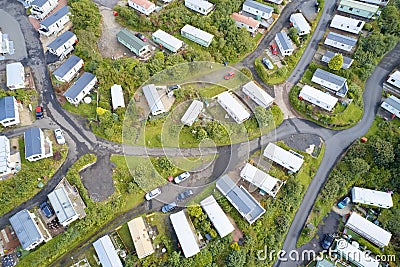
column 7, row 110
column 242, row 200
column 32, row 142
column 61, row 40
column 25, row 228
column 39, row 3
column 55, row 16
column 79, row 85
column 259, row 6
column 284, row 40
column 67, row 66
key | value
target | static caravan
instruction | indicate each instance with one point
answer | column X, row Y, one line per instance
column 133, row 43
column 184, row 231
column 55, row 22
column 143, row 6
column 192, row 113
column 69, row 69
column 286, row 159
column 166, row 40
column 15, row 75
column 217, row 216
column 328, row 55
column 358, row 8
column 318, row 98
column 284, row 43
column 249, row 23
column 340, row 41
column 300, row 23
column 41, row 8
column 233, row 107
column 153, row 99
column 392, row 105
column 80, row 88
column 331, row 81
column 196, row 35
column 371, row 197
column 258, row 95
column 106, row 252
column 63, row 45
column 201, row 6
column 117, row 97
column 9, row 112
column 258, row 9
column 347, row 24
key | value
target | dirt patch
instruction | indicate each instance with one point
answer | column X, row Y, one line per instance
column 108, row 44
column 237, row 233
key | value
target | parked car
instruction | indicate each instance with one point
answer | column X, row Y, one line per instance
column 274, row 49
column 184, row 195
column 141, row 37
column 39, row 112
column 267, row 63
column 59, row 136
column 229, row 75
column 169, row 207
column 47, row 211
column 173, row 87
column 181, row 177
column 153, row 193
column 342, row 204
column 327, row 241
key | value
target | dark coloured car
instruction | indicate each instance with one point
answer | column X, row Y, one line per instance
column 169, row 207
column 174, row 87
column 184, row 195
column 141, row 37
column 47, row 211
column 327, row 242
column 39, row 112
column 342, row 204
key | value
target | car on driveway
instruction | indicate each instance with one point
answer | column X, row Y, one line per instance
column 342, row 204
column 184, row 195
column 47, row 211
column 267, row 63
column 181, row 177
column 229, row 75
column 274, row 49
column 59, row 136
column 153, row 193
column 141, row 37
column 169, row 207
column 39, row 112
column 327, row 242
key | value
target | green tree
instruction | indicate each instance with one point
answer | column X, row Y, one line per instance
column 263, row 116
column 336, row 62
column 165, row 164
column 293, row 34
column 200, row 133
column 236, row 258
column 383, row 152
column 389, row 21
column 195, row 211
column 174, row 259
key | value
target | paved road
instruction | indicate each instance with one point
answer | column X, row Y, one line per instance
column 338, row 143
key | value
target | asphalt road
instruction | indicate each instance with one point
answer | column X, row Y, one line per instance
column 81, row 140
column 337, row 145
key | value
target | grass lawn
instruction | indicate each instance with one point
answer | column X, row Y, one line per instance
column 125, row 235
column 85, row 110
column 211, row 91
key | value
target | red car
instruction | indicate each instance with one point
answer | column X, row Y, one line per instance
column 229, row 75
column 141, row 37
column 274, row 49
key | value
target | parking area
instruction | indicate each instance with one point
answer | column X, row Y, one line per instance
column 10, row 26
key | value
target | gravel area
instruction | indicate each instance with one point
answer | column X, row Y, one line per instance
column 302, row 141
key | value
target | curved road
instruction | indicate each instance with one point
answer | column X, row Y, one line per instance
column 81, row 140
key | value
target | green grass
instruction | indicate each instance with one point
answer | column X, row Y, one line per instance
column 85, row 110
column 211, row 91
column 125, row 235
column 24, row 185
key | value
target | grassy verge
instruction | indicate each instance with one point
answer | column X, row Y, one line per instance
column 24, row 185
column 364, row 165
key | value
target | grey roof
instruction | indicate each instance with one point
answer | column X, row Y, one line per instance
column 7, row 108
column 32, row 142
column 62, row 39
column 259, row 6
column 61, row 204
column 341, row 39
column 153, row 98
column 284, row 40
column 247, row 206
column 329, row 54
column 4, row 153
column 53, row 18
column 131, row 39
column 67, row 66
column 391, row 101
column 79, row 85
column 25, row 228
column 330, row 77
column 39, row 3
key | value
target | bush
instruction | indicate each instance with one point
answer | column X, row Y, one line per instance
column 336, row 62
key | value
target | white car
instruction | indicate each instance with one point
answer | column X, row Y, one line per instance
column 181, row 177
column 153, row 193
column 59, row 136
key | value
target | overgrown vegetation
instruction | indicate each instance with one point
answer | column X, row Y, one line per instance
column 24, row 185
column 374, row 165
